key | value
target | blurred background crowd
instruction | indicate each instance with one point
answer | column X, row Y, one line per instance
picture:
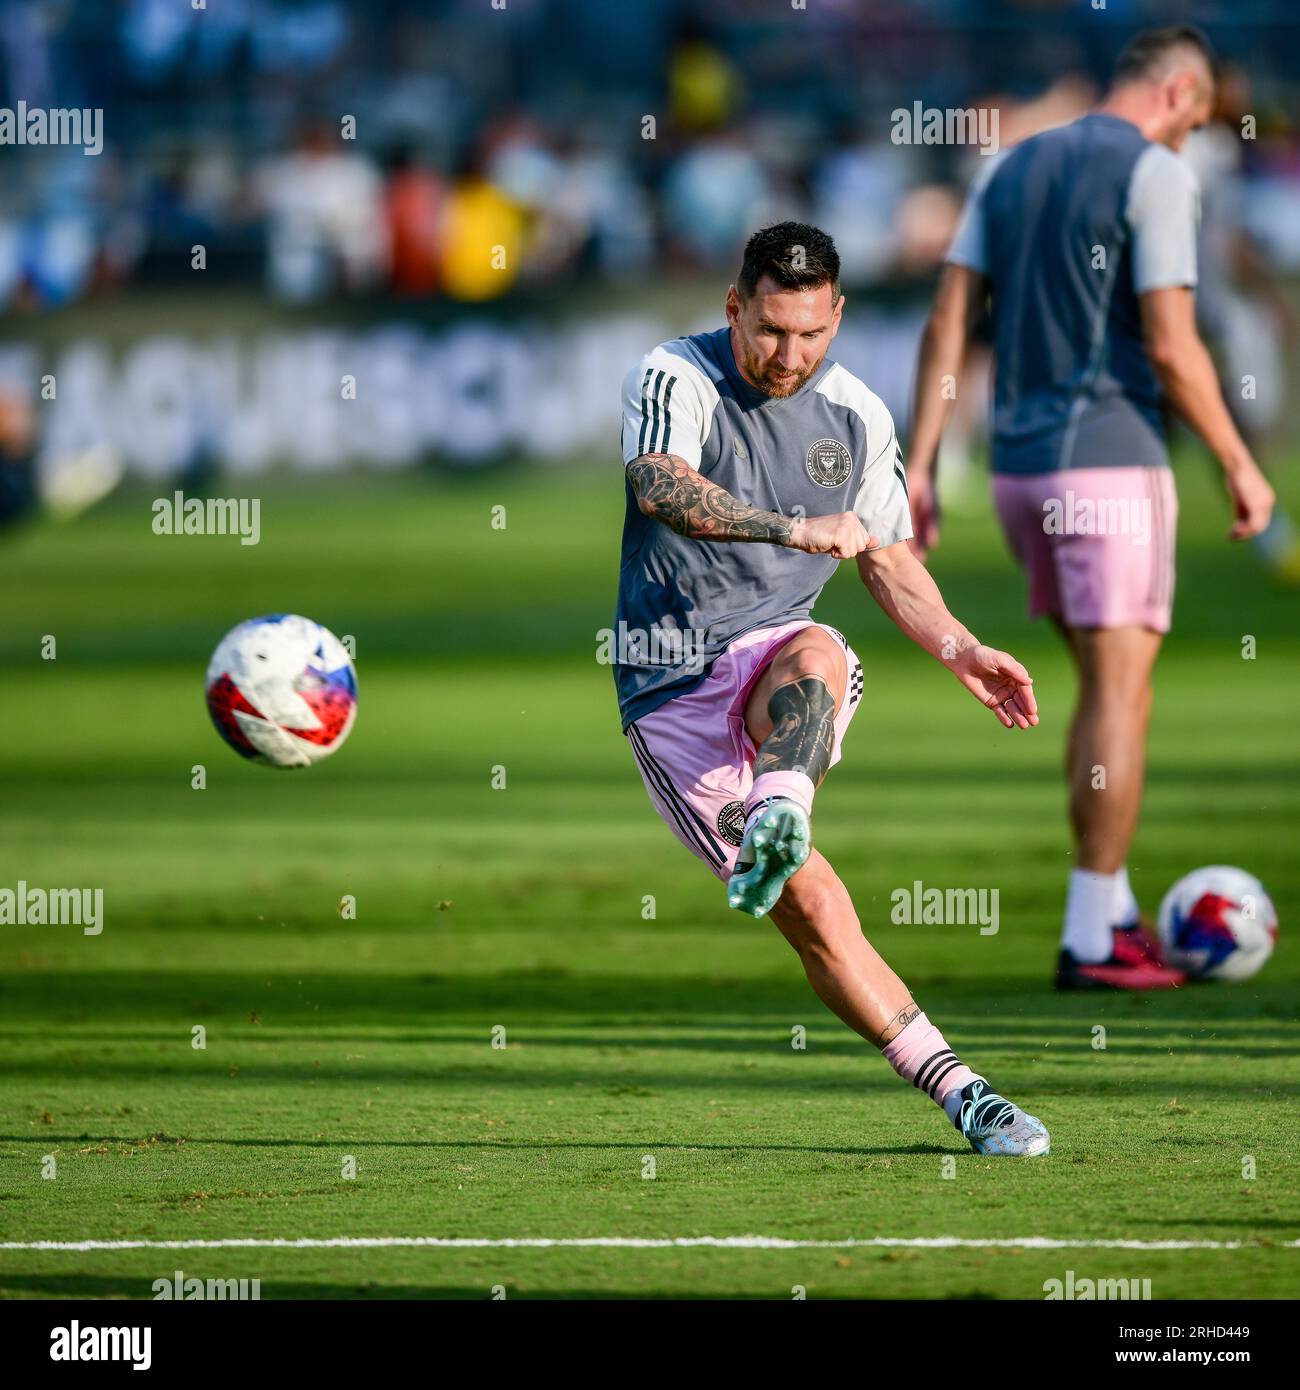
column 595, row 140
column 346, row 165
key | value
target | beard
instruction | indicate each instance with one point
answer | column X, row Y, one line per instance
column 767, row 376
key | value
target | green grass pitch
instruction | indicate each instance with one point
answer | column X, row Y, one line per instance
column 521, row 909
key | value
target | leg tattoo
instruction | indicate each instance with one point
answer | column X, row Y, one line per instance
column 899, row 1021
column 803, row 730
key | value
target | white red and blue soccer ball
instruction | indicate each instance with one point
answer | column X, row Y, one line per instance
column 282, row 690
column 1218, row 923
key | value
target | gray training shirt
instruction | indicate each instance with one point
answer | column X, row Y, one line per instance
column 1070, row 227
column 830, row 447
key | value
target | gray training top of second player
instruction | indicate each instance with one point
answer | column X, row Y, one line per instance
column 1071, row 227
column 830, row 447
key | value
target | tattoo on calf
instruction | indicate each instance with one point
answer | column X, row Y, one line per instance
column 899, row 1021
column 673, row 492
column 803, row 730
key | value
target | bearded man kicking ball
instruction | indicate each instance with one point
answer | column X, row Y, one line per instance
column 754, row 465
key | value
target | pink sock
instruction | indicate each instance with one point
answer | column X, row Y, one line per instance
column 792, row 786
column 920, row 1055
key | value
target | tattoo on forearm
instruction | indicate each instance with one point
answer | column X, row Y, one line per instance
column 803, row 730
column 670, row 490
column 899, row 1021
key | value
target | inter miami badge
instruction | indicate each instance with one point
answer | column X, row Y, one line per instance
column 731, row 822
column 829, row 463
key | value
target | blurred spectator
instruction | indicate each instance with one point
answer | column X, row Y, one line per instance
column 204, row 116
column 715, row 194
column 598, row 193
column 704, row 88
column 413, row 206
column 1246, row 321
column 18, row 497
column 857, row 188
column 482, row 239
column 924, row 228
column 325, row 218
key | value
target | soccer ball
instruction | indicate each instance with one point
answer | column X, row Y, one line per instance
column 1218, row 923
column 281, row 690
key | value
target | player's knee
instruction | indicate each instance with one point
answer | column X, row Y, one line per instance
column 1118, row 671
column 815, row 656
column 1123, row 699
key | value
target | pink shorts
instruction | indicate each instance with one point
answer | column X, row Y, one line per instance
column 696, row 756
column 1096, row 543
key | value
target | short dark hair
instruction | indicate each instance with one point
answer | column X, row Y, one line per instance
column 794, row 254
column 1144, row 53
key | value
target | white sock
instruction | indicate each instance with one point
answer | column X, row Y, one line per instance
column 952, row 1103
column 1089, row 904
column 1124, row 912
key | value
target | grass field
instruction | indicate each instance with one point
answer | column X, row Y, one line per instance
column 522, row 909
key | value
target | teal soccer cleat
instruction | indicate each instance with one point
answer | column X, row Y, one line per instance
column 777, row 843
column 993, row 1125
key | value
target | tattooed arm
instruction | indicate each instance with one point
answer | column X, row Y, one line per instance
column 668, row 489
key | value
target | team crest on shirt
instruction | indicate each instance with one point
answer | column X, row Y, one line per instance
column 829, row 463
column 731, row 822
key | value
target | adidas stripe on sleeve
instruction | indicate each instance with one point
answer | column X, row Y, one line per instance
column 664, row 408
column 882, row 500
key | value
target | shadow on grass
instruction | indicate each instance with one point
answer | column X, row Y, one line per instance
column 496, row 1082
column 585, row 1023
column 509, row 1145
column 551, row 996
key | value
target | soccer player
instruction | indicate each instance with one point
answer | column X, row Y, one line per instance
column 1085, row 239
column 753, row 465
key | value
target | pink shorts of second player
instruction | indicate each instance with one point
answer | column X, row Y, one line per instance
column 1096, row 544
column 696, row 756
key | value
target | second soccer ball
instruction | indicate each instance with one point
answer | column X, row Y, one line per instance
column 1218, row 923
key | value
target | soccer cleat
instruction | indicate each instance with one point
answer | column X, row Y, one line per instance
column 776, row 843
column 1135, row 963
column 992, row 1125
column 1141, row 935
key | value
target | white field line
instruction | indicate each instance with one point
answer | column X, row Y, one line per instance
column 640, row 1243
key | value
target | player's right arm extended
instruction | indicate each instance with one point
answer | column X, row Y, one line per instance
column 1187, row 375
column 668, row 489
